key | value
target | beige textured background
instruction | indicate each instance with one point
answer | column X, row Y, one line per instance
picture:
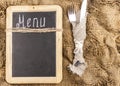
column 101, row 48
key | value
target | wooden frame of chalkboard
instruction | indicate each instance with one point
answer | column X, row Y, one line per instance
column 16, row 75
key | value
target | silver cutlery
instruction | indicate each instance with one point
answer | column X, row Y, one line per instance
column 79, row 34
column 72, row 15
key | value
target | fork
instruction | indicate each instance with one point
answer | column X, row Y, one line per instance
column 72, row 15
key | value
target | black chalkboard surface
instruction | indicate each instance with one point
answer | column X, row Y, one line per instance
column 34, row 57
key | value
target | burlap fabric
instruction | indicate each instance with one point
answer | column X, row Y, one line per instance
column 101, row 48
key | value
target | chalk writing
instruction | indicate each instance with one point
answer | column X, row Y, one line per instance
column 31, row 22
column 35, row 20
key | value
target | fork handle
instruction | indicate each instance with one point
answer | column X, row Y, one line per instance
column 73, row 24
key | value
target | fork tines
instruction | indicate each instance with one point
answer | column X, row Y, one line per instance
column 71, row 13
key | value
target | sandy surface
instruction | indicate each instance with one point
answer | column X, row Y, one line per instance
column 101, row 47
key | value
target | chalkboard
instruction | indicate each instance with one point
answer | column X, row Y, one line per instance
column 34, row 57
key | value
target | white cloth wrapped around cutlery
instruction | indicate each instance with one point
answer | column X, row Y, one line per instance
column 79, row 33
